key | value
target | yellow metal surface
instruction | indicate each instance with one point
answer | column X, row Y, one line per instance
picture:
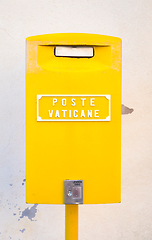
column 71, row 222
column 73, row 139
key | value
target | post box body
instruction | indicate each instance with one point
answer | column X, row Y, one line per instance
column 73, row 119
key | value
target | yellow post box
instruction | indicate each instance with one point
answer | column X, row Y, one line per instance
column 73, row 118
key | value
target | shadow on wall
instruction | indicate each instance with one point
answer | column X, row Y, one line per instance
column 126, row 110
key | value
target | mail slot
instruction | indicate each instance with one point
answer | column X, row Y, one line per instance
column 73, row 119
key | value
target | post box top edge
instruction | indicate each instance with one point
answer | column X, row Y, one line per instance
column 74, row 39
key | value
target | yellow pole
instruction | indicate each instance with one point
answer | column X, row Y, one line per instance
column 71, row 222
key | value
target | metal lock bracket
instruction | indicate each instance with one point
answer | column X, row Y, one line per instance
column 73, row 191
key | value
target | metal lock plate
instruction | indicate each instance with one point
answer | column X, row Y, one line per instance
column 73, row 191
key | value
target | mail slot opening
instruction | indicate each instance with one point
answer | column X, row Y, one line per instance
column 74, row 51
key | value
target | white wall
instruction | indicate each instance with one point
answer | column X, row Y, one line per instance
column 130, row 20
